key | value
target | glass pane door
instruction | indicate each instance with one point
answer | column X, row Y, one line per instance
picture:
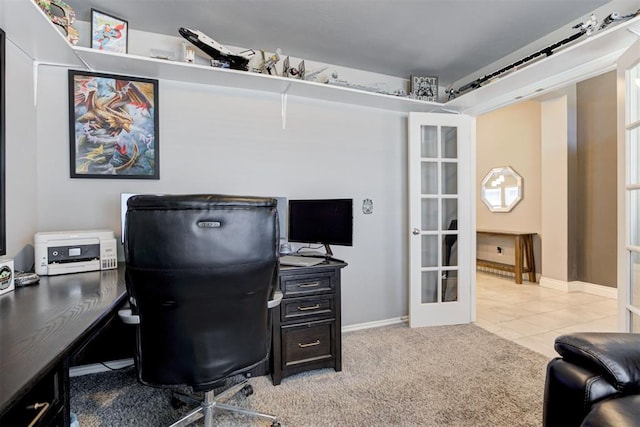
column 438, row 181
column 439, row 213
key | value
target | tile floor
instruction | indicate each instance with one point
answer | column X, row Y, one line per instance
column 533, row 316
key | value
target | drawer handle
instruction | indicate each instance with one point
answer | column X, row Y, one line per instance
column 42, row 409
column 309, row 285
column 310, row 307
column 309, row 344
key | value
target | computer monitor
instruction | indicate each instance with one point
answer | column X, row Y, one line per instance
column 282, row 216
column 321, row 221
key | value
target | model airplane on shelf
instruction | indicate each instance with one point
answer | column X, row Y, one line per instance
column 216, row 50
column 588, row 28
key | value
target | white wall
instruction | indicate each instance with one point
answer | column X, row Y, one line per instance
column 219, row 140
column 509, row 136
column 555, row 149
column 21, row 147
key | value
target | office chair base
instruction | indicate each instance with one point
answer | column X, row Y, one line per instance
column 213, row 402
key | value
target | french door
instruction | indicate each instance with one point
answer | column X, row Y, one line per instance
column 629, row 193
column 441, row 220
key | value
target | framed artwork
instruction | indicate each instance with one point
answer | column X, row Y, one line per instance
column 3, row 212
column 108, row 32
column 424, row 88
column 113, row 126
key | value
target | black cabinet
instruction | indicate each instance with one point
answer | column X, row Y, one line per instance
column 306, row 325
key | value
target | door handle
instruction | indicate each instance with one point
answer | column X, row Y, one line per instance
column 416, row 231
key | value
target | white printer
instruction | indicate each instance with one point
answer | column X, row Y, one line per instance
column 61, row 252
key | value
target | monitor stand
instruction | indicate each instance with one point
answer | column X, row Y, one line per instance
column 328, row 250
column 328, row 255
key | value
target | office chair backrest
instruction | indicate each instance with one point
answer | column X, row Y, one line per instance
column 200, row 270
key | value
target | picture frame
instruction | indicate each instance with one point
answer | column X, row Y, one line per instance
column 113, row 126
column 108, row 32
column 424, row 88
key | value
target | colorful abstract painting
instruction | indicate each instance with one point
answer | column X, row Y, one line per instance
column 113, row 125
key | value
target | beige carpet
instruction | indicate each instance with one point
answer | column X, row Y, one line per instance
column 392, row 376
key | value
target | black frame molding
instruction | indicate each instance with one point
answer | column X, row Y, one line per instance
column 91, row 134
column 3, row 210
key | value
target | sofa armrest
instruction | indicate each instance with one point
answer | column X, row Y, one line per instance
column 615, row 355
column 570, row 391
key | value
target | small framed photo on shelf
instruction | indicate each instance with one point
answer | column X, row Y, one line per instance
column 113, row 126
column 424, row 88
column 109, row 32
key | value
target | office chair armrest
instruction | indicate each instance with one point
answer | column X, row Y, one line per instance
column 275, row 300
column 127, row 317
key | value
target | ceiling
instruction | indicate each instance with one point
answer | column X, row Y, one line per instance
column 446, row 38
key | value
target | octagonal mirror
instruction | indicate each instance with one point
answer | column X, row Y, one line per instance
column 501, row 189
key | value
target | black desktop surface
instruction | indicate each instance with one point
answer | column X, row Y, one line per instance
column 42, row 324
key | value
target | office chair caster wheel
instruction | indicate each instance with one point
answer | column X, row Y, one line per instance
column 275, row 424
column 247, row 390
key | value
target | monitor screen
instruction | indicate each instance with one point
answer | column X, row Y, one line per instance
column 326, row 221
column 282, row 216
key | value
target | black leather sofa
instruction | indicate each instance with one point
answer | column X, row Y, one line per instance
column 595, row 382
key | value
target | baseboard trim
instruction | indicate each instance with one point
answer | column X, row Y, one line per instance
column 577, row 286
column 96, row 368
column 558, row 285
column 603, row 291
column 375, row 324
column 502, row 273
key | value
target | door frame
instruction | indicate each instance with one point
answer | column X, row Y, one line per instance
column 630, row 58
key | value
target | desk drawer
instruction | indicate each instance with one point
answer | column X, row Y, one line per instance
column 308, row 343
column 307, row 284
column 43, row 405
column 304, row 309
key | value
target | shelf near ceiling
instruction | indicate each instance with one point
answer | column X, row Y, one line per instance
column 584, row 59
column 172, row 70
column 32, row 32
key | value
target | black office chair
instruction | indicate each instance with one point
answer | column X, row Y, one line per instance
column 448, row 241
column 201, row 271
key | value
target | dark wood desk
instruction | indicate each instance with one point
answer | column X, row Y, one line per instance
column 42, row 329
column 46, row 328
column 523, row 262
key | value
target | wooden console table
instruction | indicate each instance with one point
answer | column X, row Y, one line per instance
column 524, row 261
